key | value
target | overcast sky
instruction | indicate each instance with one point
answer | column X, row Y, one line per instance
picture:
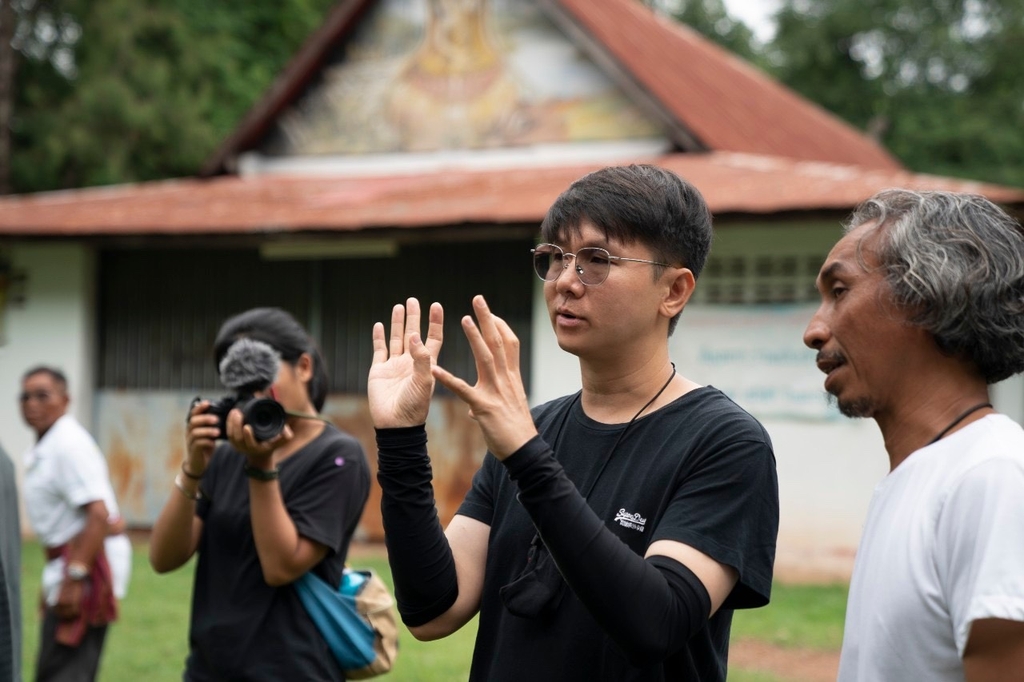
column 755, row 14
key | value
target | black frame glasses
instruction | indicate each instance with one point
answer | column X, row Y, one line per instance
column 592, row 263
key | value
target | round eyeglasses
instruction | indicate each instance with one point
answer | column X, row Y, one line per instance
column 592, row 263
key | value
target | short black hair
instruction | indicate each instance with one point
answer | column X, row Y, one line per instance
column 637, row 203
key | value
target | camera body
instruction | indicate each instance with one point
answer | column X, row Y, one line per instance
column 264, row 415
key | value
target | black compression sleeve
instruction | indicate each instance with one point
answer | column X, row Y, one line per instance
column 649, row 607
column 422, row 564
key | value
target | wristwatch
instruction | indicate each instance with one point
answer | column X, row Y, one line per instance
column 77, row 571
column 261, row 474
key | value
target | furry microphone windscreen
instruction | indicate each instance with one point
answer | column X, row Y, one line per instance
column 249, row 365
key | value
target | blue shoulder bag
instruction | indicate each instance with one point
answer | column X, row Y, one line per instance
column 357, row 620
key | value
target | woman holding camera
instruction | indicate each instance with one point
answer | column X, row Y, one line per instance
column 260, row 514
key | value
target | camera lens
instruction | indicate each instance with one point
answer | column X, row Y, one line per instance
column 265, row 416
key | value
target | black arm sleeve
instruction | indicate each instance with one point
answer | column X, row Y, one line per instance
column 422, row 564
column 650, row 608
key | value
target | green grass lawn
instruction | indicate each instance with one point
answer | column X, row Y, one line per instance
column 800, row 616
column 149, row 642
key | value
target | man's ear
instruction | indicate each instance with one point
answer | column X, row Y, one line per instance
column 680, row 288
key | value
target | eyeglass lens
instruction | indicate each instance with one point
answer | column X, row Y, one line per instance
column 591, row 263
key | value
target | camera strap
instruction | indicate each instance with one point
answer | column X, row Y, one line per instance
column 318, row 417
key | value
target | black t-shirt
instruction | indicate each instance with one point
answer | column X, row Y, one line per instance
column 700, row 471
column 242, row 628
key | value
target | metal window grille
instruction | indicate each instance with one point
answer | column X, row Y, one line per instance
column 160, row 309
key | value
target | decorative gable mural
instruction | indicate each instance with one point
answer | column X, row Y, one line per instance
column 433, row 75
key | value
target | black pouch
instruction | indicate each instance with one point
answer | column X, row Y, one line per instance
column 537, row 591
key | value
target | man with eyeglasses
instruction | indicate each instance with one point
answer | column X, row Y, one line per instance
column 72, row 509
column 612, row 532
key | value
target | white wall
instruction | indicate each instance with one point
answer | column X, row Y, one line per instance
column 1008, row 397
column 55, row 325
column 827, row 473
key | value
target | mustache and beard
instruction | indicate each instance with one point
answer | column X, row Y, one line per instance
column 856, row 408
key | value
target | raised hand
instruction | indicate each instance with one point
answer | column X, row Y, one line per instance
column 400, row 384
column 498, row 400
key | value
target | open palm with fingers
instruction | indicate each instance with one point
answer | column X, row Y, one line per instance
column 400, row 384
column 498, row 400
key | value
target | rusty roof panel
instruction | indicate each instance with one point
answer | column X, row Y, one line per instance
column 727, row 103
column 732, row 183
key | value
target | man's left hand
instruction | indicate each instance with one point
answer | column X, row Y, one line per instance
column 498, row 400
column 69, row 601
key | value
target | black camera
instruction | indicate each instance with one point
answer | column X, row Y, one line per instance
column 264, row 415
column 248, row 366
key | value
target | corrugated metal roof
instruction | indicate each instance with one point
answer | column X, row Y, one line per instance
column 732, row 184
column 728, row 104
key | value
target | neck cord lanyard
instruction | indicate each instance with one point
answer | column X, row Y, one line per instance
column 317, row 417
column 618, row 439
column 967, row 413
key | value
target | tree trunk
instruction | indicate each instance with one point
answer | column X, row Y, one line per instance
column 7, row 57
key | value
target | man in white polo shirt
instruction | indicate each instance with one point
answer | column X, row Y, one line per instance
column 72, row 509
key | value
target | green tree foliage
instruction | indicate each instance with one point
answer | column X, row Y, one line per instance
column 126, row 90
column 939, row 82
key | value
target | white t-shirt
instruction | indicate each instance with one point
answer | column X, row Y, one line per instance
column 64, row 471
column 943, row 546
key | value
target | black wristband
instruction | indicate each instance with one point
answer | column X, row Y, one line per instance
column 401, row 438
column 261, row 474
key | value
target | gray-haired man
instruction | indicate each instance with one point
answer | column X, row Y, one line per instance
column 922, row 308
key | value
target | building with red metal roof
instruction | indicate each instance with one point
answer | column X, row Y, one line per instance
column 399, row 155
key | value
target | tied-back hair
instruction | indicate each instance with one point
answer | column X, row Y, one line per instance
column 637, row 203
column 281, row 331
column 955, row 264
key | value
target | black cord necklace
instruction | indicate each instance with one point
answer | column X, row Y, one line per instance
column 967, row 413
column 622, row 433
column 618, row 439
